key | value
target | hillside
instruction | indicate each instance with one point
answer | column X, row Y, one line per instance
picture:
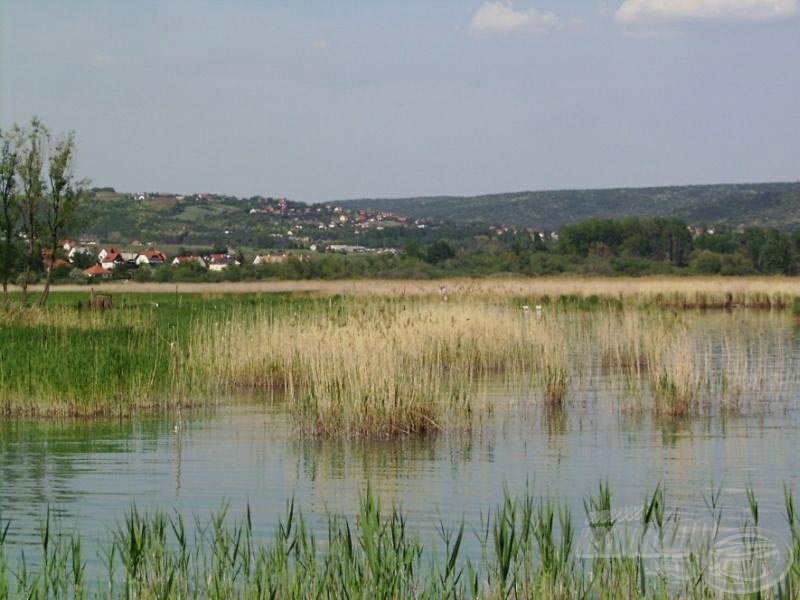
column 258, row 222
column 223, row 221
column 763, row 204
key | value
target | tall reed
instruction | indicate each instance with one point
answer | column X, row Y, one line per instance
column 527, row 546
column 380, row 366
column 385, row 367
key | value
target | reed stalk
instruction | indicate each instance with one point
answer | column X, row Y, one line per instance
column 528, row 548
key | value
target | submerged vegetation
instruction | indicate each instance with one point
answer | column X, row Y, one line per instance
column 527, row 547
column 398, row 364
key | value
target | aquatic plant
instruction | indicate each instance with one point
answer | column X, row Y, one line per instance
column 375, row 366
column 527, row 546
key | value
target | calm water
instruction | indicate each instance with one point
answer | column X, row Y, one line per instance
column 90, row 473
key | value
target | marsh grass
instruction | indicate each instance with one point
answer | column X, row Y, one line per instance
column 62, row 361
column 665, row 291
column 378, row 367
column 526, row 547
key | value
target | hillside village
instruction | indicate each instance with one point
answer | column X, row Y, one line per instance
column 205, row 237
column 110, row 262
column 256, row 222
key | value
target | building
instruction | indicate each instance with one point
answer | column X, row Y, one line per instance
column 220, row 262
column 150, row 257
column 271, row 259
column 97, row 272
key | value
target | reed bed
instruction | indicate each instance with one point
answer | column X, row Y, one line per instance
column 377, row 366
column 672, row 291
column 61, row 361
column 527, row 547
column 382, row 367
column 391, row 367
column 56, row 361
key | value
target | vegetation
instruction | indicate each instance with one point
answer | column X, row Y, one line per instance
column 40, row 199
column 67, row 359
column 771, row 205
column 728, row 230
column 629, row 246
column 398, row 365
column 528, row 547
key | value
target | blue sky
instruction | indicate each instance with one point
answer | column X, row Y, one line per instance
column 319, row 100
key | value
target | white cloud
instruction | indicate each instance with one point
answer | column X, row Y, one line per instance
column 499, row 17
column 654, row 12
column 321, row 44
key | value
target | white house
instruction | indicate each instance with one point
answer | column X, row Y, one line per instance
column 187, row 260
column 219, row 262
column 270, row 259
column 150, row 257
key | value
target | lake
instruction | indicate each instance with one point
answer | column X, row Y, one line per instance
column 90, row 472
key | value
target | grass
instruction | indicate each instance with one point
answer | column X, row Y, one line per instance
column 62, row 361
column 528, row 546
column 388, row 367
column 672, row 291
column 376, row 366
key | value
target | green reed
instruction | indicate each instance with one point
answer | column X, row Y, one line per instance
column 68, row 360
column 527, row 547
column 377, row 366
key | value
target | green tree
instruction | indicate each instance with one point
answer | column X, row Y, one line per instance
column 439, row 252
column 706, row 262
column 775, row 255
column 31, row 165
column 9, row 207
column 413, row 249
column 64, row 195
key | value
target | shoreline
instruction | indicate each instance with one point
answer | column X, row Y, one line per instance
column 510, row 286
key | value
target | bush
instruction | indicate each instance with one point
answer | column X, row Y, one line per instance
column 78, row 276
column 706, row 262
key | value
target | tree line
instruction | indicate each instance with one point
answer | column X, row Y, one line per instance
column 624, row 247
column 39, row 201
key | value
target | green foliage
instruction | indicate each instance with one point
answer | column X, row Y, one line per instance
column 666, row 240
column 706, row 262
column 68, row 359
column 440, row 251
column 734, row 205
column 528, row 549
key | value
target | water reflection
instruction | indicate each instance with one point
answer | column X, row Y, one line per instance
column 90, row 472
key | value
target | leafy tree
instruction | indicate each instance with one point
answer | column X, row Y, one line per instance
column 63, row 199
column 413, row 249
column 775, row 255
column 9, row 203
column 439, row 252
column 706, row 262
column 35, row 141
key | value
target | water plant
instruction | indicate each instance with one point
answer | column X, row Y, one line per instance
column 526, row 546
column 360, row 365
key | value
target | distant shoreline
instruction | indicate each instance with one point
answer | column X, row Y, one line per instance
column 503, row 286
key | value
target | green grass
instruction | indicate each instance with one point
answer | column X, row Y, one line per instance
column 64, row 360
column 383, row 366
column 527, row 547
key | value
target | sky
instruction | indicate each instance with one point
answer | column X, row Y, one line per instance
column 318, row 100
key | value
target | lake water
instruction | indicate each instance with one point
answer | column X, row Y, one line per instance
column 89, row 473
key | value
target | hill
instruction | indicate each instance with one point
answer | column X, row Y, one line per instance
column 747, row 205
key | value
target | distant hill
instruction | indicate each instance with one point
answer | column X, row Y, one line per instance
column 760, row 204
